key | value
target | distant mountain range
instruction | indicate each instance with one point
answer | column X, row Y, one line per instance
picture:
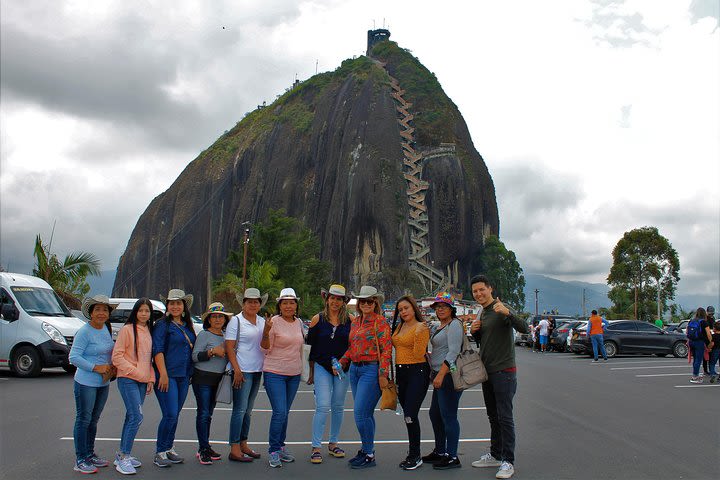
column 566, row 297
column 554, row 294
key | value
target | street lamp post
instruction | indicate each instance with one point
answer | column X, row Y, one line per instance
column 246, row 240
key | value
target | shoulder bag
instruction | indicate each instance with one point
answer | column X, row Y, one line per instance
column 469, row 367
column 389, row 398
column 225, row 387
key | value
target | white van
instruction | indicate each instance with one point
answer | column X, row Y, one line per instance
column 121, row 312
column 36, row 328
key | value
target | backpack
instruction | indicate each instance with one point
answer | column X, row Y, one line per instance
column 693, row 329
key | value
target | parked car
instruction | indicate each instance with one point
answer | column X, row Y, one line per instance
column 679, row 327
column 526, row 338
column 36, row 328
column 558, row 338
column 633, row 336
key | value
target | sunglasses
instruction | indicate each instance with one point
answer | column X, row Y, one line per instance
column 366, row 301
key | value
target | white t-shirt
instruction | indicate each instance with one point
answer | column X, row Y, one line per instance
column 544, row 324
column 249, row 355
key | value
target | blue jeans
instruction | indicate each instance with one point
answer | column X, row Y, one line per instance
column 205, row 400
column 281, row 390
column 243, row 401
column 498, row 392
column 330, row 393
column 698, row 351
column 171, row 403
column 714, row 357
column 444, row 417
column 366, row 393
column 598, row 343
column 133, row 395
column 89, row 404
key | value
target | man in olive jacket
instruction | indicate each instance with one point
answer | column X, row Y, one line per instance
column 493, row 331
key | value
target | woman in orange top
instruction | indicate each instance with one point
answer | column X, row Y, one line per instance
column 131, row 355
column 410, row 338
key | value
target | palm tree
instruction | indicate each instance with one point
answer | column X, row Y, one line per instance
column 67, row 278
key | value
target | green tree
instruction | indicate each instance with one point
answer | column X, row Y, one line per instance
column 69, row 277
column 293, row 250
column 502, row 268
column 643, row 260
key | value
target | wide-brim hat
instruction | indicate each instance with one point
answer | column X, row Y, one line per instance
column 445, row 298
column 252, row 293
column 287, row 294
column 366, row 291
column 177, row 294
column 89, row 302
column 216, row 307
column 337, row 290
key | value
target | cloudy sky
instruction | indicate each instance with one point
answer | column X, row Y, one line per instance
column 594, row 116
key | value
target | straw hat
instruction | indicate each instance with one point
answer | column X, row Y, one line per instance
column 287, row 294
column 89, row 302
column 177, row 294
column 216, row 307
column 337, row 290
column 366, row 291
column 252, row 293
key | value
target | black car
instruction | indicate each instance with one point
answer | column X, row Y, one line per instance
column 558, row 337
column 633, row 336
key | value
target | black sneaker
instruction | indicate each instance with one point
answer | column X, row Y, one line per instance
column 366, row 462
column 204, row 457
column 433, row 457
column 447, row 463
column 213, row 454
column 357, row 458
column 411, row 463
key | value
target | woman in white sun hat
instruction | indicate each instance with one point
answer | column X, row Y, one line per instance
column 282, row 341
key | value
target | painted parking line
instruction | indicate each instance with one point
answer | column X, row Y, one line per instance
column 664, row 375
column 348, row 442
column 312, row 410
column 679, row 360
column 697, row 386
column 642, row 366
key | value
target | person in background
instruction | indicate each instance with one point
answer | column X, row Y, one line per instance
column 369, row 350
column 132, row 356
column 173, row 339
column 710, row 320
column 493, row 332
column 698, row 335
column 209, row 358
column 714, row 351
column 91, row 353
column 282, row 341
column 328, row 338
column 595, row 328
column 243, row 335
column 447, row 341
column 410, row 338
column 659, row 323
column 543, row 329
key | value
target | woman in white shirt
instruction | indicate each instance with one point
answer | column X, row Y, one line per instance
column 243, row 335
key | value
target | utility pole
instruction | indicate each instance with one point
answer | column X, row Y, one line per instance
column 536, row 301
column 583, row 304
column 635, row 306
column 246, row 240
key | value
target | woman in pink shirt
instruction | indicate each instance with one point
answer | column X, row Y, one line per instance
column 282, row 340
column 131, row 356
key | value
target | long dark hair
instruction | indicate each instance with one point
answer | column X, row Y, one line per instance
column 132, row 319
column 411, row 300
column 186, row 317
column 701, row 314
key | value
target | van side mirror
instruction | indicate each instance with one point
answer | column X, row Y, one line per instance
column 10, row 312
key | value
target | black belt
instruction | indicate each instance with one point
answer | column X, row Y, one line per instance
column 362, row 364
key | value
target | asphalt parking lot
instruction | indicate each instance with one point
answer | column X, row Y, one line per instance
column 634, row 417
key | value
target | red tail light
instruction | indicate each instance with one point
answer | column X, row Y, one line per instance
column 563, row 330
column 582, row 334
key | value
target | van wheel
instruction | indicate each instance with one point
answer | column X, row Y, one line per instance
column 69, row 368
column 26, row 362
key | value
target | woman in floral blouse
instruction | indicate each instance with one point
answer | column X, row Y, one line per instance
column 368, row 370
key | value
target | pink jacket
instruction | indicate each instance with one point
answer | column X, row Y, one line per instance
column 138, row 368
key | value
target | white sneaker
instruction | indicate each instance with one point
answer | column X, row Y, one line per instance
column 486, row 460
column 124, row 465
column 506, row 470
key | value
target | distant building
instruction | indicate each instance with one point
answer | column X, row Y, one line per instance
column 375, row 37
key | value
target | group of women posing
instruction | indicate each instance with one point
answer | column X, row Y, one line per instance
column 345, row 351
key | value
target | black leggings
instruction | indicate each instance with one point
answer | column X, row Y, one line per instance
column 413, row 380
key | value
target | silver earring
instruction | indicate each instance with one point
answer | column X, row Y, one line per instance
column 183, row 315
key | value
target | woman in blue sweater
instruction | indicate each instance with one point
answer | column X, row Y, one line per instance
column 173, row 339
column 91, row 353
